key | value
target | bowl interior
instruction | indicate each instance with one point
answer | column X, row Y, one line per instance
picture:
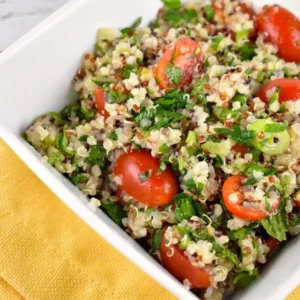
column 35, row 77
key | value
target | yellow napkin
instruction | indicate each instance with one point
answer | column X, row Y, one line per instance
column 47, row 252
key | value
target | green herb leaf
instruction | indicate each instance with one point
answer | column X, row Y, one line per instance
column 176, row 16
column 133, row 27
column 258, row 168
column 80, row 178
column 115, row 211
column 276, row 127
column 247, row 51
column 184, row 207
column 83, row 138
column 173, row 74
column 152, row 119
column 62, row 143
column 113, row 96
column 241, row 136
column 295, row 220
column 96, row 155
column 244, row 279
column 173, row 99
column 242, row 232
column 156, row 240
column 128, row 69
column 209, row 12
column 162, row 167
column 144, row 176
column 113, row 136
column 172, row 4
column 70, row 111
column 250, row 181
column 240, row 98
column 276, row 225
column 101, row 83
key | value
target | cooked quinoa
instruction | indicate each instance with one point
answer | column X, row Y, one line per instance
column 204, row 130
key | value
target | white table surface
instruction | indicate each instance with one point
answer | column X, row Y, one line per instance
column 19, row 16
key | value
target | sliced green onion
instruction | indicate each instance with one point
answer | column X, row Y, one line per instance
column 192, row 138
column 223, row 148
column 209, row 12
column 272, row 143
column 216, row 42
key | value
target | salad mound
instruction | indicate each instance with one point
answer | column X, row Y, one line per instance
column 186, row 133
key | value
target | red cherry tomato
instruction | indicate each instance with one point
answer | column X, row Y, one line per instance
column 282, row 29
column 156, row 190
column 179, row 265
column 288, row 88
column 100, row 102
column 273, row 245
column 297, row 203
column 185, row 54
column 241, row 149
column 233, row 185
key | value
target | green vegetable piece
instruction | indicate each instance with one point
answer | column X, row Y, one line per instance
column 172, row 4
column 192, row 138
column 144, row 176
column 83, row 138
column 241, row 136
column 272, row 143
column 276, row 127
column 276, row 225
column 223, row 148
column 113, row 96
column 96, row 155
column 162, row 167
column 242, row 232
column 102, row 83
column 62, row 143
column 129, row 30
column 164, row 148
column 128, row 69
column 209, row 12
column 113, row 136
column 274, row 98
column 157, row 240
column 295, row 220
column 152, row 119
column 70, row 111
column 247, row 51
column 173, row 74
column 216, row 42
column 250, row 181
column 244, row 280
column 80, row 178
column 180, row 163
column 218, row 162
column 115, row 211
column 173, row 99
column 184, row 207
column 240, row 98
column 241, row 36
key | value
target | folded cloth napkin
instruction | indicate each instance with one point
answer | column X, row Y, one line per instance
column 47, row 252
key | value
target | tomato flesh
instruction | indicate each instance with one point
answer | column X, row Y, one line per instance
column 100, row 102
column 282, row 29
column 179, row 265
column 288, row 88
column 233, row 185
column 241, row 149
column 273, row 244
column 156, row 190
column 185, row 54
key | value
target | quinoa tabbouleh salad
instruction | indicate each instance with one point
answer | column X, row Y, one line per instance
column 187, row 134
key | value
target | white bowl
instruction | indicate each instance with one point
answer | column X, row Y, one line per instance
column 35, row 77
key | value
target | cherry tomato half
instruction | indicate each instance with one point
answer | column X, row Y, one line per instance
column 273, row 244
column 233, row 185
column 137, row 177
column 100, row 102
column 288, row 89
column 282, row 29
column 297, row 203
column 179, row 265
column 185, row 54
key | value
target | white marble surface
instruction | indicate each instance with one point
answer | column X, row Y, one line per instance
column 18, row 16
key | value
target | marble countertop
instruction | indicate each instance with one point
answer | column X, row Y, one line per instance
column 19, row 16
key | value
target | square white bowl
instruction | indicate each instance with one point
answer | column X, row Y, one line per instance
column 35, row 77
